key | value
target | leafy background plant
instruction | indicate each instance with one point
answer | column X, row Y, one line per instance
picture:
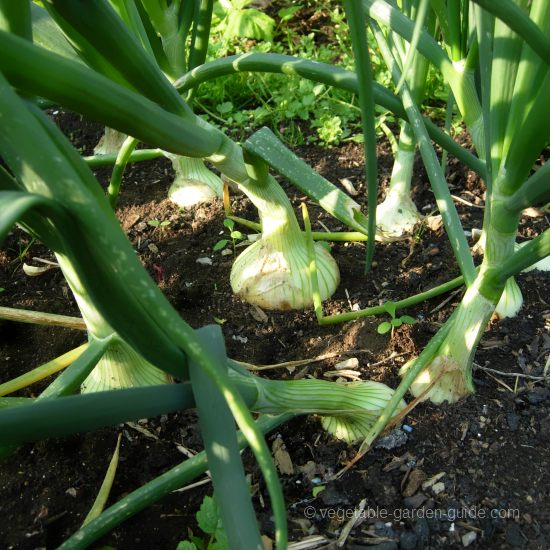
column 300, row 111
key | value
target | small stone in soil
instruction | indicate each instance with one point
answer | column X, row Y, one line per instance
column 415, row 501
column 468, row 538
column 204, row 261
column 384, row 529
column 397, row 438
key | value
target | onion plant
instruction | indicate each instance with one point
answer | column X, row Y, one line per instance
column 514, row 129
column 397, row 214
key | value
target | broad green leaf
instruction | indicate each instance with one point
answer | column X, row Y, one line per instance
column 220, row 244
column 407, row 319
column 384, row 327
column 230, row 224
column 218, row 545
column 186, row 545
column 208, row 515
column 224, row 108
column 285, row 14
column 46, row 33
column 249, row 23
column 396, row 322
column 389, row 306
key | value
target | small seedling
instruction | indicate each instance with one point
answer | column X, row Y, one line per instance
column 159, row 224
column 235, row 236
column 395, row 322
column 24, row 249
column 209, row 520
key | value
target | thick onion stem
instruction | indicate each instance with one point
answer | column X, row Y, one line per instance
column 348, row 411
column 398, row 215
column 448, row 377
column 120, row 366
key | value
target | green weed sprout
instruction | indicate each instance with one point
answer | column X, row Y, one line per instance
column 234, row 237
column 395, row 322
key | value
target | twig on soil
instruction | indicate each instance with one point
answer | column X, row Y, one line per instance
column 391, row 356
column 357, row 514
column 301, row 362
column 514, row 374
column 467, row 203
column 193, row 485
column 501, row 382
column 446, row 301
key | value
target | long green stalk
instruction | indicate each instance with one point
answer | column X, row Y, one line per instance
column 122, row 160
column 456, row 75
column 443, row 197
column 317, row 72
column 363, row 69
column 399, row 305
column 222, row 449
column 534, row 191
column 140, row 155
column 39, row 373
column 151, row 492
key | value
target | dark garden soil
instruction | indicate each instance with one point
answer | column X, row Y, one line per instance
column 477, row 472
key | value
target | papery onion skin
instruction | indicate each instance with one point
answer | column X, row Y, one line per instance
column 276, row 276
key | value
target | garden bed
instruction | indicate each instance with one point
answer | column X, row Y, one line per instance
column 492, row 448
